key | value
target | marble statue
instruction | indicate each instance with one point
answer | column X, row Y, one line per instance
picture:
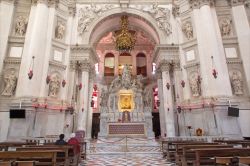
column 126, row 77
column 60, row 31
column 236, row 82
column 104, row 98
column 54, row 86
column 147, row 97
column 116, row 83
column 10, row 81
column 188, row 30
column 194, row 85
column 21, row 25
column 225, row 27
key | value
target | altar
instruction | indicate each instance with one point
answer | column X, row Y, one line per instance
column 126, row 129
column 126, row 107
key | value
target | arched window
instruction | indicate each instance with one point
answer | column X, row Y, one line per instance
column 124, row 58
column 109, row 65
column 141, row 64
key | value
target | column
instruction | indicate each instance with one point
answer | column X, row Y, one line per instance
column 241, row 25
column 161, row 108
column 167, row 99
column 83, row 98
column 6, row 13
column 90, row 110
column 210, row 44
column 35, row 45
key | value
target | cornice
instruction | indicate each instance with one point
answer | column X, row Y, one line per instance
column 57, row 65
column 191, row 65
column 234, row 61
column 171, row 49
column 49, row 3
column 12, row 60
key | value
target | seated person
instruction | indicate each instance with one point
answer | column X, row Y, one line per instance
column 76, row 145
column 61, row 141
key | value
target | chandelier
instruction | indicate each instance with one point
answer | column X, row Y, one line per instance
column 125, row 40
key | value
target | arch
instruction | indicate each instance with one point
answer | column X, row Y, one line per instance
column 143, row 19
column 141, row 64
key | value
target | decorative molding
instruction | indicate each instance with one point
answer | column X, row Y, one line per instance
column 234, row 61
column 187, row 29
column 88, row 14
column 159, row 13
column 72, row 9
column 191, row 65
column 16, row 39
column 12, row 60
column 172, row 52
column 49, row 3
column 196, row 4
column 236, row 2
column 176, row 11
column 57, row 65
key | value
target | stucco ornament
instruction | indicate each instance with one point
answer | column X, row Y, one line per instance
column 10, row 82
column 225, row 26
column 104, row 98
column 147, row 97
column 88, row 13
column 236, row 82
column 160, row 13
column 188, row 30
column 20, row 26
column 54, row 86
column 60, row 31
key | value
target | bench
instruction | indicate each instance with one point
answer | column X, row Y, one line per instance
column 211, row 154
column 44, row 157
column 188, row 156
column 4, row 146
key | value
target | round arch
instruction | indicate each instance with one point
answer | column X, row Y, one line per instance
column 109, row 21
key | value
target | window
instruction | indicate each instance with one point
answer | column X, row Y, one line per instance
column 141, row 64
column 109, row 65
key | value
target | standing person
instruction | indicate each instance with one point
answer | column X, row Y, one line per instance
column 61, row 141
column 76, row 145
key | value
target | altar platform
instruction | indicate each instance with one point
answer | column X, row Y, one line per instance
column 131, row 129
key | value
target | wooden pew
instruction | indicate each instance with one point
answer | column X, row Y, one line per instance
column 244, row 160
column 4, row 146
column 24, row 163
column 188, row 155
column 63, row 158
column 42, row 156
column 5, row 163
column 210, row 153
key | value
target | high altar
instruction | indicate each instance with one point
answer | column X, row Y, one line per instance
column 126, row 107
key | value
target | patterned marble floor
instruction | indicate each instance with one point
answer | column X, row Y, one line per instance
column 139, row 153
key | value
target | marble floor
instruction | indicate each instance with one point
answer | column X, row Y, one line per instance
column 135, row 153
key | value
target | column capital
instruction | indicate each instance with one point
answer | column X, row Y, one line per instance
column 236, row 2
column 176, row 11
column 49, row 3
column 84, row 65
column 72, row 9
column 158, row 73
column 164, row 65
column 196, row 4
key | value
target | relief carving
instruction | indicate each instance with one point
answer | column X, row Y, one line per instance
column 60, row 31
column 225, row 27
column 10, row 82
column 236, row 83
column 20, row 26
column 195, row 85
column 147, row 97
column 188, row 30
column 88, row 13
column 54, row 86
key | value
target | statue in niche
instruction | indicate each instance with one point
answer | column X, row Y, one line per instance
column 116, row 102
column 10, row 81
column 126, row 117
column 54, row 86
column 21, row 25
column 137, row 101
column 147, row 97
column 126, row 77
column 137, row 82
column 60, row 31
column 236, row 82
column 225, row 27
column 188, row 30
column 104, row 98
column 194, row 85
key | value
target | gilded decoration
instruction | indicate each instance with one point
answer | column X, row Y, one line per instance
column 126, row 101
column 124, row 40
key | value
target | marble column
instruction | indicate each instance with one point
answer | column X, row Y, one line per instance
column 6, row 13
column 35, row 45
column 167, row 99
column 83, row 96
column 210, row 45
column 241, row 25
column 161, row 107
column 90, row 110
